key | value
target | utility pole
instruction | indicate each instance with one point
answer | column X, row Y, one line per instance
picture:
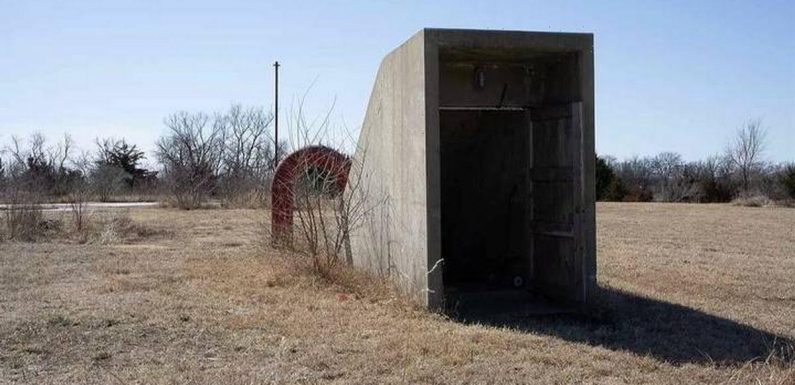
column 276, row 117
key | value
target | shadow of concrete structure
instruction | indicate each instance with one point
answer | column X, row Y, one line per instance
column 644, row 326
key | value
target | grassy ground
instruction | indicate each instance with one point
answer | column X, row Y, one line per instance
column 692, row 294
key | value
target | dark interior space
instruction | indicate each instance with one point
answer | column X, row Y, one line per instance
column 508, row 147
column 485, row 157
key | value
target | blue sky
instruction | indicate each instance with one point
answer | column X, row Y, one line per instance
column 670, row 75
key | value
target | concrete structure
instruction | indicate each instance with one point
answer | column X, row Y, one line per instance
column 476, row 159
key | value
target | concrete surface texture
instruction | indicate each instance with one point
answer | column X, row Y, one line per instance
column 476, row 163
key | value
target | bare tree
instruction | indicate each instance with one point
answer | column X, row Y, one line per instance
column 673, row 179
column 636, row 175
column 191, row 155
column 745, row 152
column 666, row 165
column 60, row 154
column 248, row 152
column 248, row 143
column 20, row 153
column 713, row 176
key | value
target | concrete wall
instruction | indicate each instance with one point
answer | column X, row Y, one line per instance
column 391, row 162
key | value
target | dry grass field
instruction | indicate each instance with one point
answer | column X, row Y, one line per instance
column 692, row 294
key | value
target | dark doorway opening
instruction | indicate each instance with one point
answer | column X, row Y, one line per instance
column 511, row 191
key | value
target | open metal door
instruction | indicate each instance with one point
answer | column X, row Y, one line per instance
column 558, row 202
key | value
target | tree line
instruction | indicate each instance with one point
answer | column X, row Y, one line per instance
column 227, row 155
column 739, row 173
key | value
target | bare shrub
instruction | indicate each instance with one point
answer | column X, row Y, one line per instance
column 108, row 235
column 78, row 209
column 753, row 199
column 326, row 214
column 254, row 197
column 79, row 197
column 24, row 222
column 357, row 284
column 107, row 181
column 118, row 227
column 321, row 214
column 24, row 217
